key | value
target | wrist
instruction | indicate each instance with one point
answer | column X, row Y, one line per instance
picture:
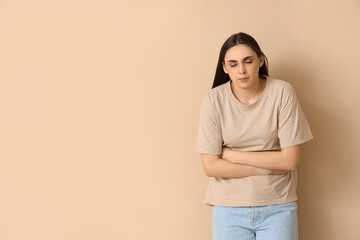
column 261, row 171
column 257, row 171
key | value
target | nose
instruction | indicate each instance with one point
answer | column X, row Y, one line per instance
column 242, row 68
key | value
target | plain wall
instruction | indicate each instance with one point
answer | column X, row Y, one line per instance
column 99, row 110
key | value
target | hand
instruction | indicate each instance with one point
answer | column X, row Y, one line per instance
column 264, row 171
column 278, row 172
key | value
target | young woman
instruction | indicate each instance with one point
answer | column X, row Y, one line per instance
column 250, row 130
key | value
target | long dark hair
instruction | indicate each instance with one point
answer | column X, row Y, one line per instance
column 238, row 38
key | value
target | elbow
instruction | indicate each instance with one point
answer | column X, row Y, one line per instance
column 291, row 157
column 208, row 162
column 214, row 172
column 209, row 170
column 292, row 163
column 292, row 167
column 210, row 175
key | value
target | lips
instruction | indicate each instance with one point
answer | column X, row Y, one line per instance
column 243, row 79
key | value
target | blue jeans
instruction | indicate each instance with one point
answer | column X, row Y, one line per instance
column 272, row 222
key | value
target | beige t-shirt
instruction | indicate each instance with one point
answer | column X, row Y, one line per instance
column 274, row 121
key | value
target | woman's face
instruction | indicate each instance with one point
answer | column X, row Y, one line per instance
column 242, row 64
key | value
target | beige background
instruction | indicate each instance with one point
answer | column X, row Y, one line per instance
column 100, row 104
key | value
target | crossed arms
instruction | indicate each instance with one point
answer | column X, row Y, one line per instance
column 236, row 164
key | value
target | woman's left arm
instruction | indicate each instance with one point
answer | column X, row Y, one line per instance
column 286, row 159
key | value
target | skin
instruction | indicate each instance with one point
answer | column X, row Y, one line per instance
column 239, row 62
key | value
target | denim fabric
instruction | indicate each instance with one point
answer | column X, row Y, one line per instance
column 272, row 222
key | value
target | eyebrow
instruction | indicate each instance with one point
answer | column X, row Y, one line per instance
column 243, row 59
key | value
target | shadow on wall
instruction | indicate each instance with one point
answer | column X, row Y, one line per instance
column 327, row 169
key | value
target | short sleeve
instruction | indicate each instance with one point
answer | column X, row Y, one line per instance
column 209, row 138
column 293, row 127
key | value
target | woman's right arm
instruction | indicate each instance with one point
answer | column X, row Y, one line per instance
column 216, row 167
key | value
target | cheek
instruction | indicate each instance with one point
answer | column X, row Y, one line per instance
column 254, row 68
column 232, row 72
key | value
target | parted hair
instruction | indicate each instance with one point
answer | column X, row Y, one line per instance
column 238, row 38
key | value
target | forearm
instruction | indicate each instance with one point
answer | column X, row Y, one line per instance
column 279, row 160
column 224, row 169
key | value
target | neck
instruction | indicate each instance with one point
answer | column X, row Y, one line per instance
column 249, row 95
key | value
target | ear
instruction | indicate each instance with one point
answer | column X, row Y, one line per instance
column 262, row 61
column 224, row 68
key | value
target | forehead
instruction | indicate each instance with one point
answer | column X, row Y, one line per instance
column 239, row 52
